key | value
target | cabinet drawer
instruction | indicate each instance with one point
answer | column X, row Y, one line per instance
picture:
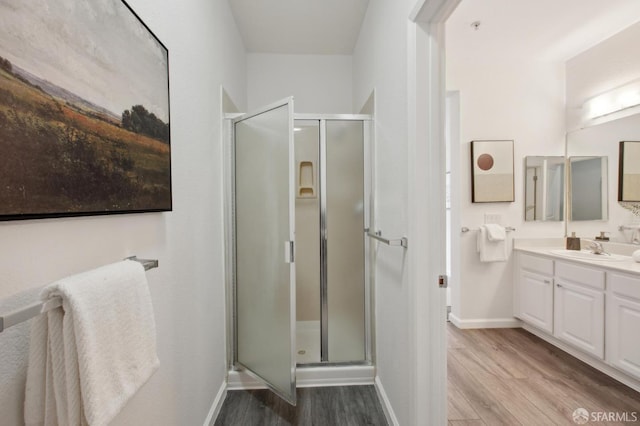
column 579, row 274
column 536, row 264
column 625, row 285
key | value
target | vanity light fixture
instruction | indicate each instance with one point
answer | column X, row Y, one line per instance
column 619, row 99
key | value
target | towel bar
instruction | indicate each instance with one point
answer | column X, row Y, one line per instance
column 628, row 227
column 23, row 314
column 404, row 242
column 465, row 229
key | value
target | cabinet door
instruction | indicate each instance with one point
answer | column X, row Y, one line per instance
column 536, row 300
column 623, row 323
column 579, row 317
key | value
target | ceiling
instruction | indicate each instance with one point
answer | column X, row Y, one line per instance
column 321, row 27
column 554, row 30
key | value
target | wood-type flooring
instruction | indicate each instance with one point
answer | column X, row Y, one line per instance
column 326, row 406
column 511, row 377
column 495, row 377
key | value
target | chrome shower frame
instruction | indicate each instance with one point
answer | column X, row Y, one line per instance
column 230, row 244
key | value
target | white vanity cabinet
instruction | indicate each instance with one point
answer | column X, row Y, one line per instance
column 623, row 322
column 589, row 309
column 534, row 295
column 579, row 307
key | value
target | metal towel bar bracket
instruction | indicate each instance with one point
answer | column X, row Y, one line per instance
column 23, row 314
column 147, row 263
column 403, row 241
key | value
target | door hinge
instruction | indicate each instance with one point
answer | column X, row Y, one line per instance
column 289, row 252
column 443, row 281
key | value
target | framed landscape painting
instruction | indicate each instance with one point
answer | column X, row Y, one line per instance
column 84, row 111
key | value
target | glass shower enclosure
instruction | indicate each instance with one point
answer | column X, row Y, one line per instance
column 300, row 193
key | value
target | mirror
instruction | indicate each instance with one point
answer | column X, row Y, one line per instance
column 588, row 195
column 544, row 188
column 629, row 171
column 603, row 140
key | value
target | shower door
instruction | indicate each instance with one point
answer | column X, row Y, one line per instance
column 264, row 247
column 331, row 215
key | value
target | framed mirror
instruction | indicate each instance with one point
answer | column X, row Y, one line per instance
column 629, row 171
column 588, row 183
column 603, row 140
column 544, row 188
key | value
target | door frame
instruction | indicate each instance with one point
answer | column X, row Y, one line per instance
column 426, row 94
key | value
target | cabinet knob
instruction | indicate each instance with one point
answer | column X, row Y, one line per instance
column 547, row 282
column 558, row 285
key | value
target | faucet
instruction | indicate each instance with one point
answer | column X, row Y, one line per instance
column 596, row 248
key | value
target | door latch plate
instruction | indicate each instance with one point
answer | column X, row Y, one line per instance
column 443, row 281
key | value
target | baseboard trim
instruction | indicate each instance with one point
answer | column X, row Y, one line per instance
column 485, row 323
column 587, row 359
column 217, row 405
column 307, row 377
column 386, row 404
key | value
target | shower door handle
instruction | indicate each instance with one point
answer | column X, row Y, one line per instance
column 289, row 250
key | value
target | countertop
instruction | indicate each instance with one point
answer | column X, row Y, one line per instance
column 628, row 266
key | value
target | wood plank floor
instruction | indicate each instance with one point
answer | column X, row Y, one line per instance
column 511, row 377
column 328, row 406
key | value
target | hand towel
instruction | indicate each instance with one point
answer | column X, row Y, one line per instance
column 14, row 344
column 491, row 251
column 495, row 232
column 635, row 238
column 89, row 356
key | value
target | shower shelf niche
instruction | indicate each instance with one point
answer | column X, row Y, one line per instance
column 306, row 181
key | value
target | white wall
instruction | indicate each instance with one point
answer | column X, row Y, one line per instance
column 532, row 102
column 188, row 292
column 319, row 83
column 501, row 98
column 380, row 62
column 607, row 65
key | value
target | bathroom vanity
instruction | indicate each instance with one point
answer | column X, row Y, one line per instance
column 585, row 304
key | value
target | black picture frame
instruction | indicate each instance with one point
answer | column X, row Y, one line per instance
column 84, row 112
column 627, row 181
column 492, row 171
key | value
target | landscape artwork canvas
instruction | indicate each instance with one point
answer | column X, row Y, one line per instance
column 84, row 110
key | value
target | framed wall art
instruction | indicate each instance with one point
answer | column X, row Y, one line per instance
column 84, row 111
column 492, row 171
column 629, row 171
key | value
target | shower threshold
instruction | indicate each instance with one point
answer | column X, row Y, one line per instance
column 311, row 376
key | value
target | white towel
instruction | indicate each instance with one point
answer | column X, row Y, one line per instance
column 88, row 357
column 491, row 251
column 495, row 232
